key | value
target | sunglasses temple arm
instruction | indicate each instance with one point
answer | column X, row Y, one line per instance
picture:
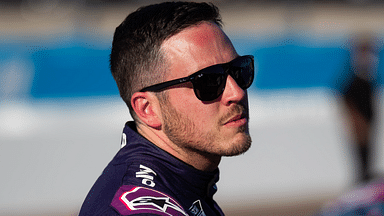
column 161, row 86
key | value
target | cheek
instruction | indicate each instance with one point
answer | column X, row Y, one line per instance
column 187, row 104
column 202, row 116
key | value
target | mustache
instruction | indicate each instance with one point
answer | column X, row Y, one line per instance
column 237, row 109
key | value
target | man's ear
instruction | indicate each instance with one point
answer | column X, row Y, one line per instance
column 147, row 108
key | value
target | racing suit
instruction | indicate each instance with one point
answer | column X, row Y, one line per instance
column 366, row 199
column 143, row 179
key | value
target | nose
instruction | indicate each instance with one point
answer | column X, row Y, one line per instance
column 232, row 92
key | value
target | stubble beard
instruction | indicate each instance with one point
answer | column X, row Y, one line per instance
column 184, row 133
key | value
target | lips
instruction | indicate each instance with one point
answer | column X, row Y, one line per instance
column 237, row 116
column 237, row 119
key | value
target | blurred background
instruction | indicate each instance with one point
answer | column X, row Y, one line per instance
column 61, row 117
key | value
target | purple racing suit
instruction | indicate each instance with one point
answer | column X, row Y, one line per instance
column 367, row 200
column 143, row 179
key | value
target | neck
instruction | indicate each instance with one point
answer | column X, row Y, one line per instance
column 204, row 162
column 199, row 160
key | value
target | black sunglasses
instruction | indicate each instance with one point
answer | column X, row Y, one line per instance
column 209, row 83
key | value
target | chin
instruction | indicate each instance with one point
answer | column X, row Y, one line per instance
column 239, row 146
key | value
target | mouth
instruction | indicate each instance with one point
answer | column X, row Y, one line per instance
column 237, row 120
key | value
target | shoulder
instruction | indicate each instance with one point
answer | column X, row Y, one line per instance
column 131, row 200
column 131, row 190
column 145, row 190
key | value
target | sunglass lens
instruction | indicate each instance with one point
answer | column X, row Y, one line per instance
column 242, row 70
column 209, row 86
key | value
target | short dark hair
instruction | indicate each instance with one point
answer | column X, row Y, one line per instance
column 136, row 60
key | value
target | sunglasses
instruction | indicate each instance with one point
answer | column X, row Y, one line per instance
column 209, row 83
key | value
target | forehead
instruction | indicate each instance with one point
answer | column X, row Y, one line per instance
column 198, row 47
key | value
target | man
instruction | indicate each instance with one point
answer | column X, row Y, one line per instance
column 358, row 91
column 185, row 87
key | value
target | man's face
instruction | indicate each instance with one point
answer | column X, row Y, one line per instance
column 218, row 127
